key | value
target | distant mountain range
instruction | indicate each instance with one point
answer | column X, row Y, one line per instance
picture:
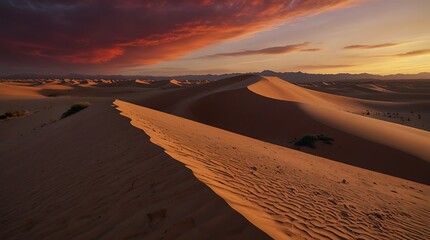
column 296, row 77
column 309, row 77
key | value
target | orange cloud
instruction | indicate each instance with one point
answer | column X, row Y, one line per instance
column 325, row 66
column 414, row 53
column 311, row 50
column 269, row 51
column 371, row 46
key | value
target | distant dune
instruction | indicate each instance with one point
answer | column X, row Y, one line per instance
column 296, row 77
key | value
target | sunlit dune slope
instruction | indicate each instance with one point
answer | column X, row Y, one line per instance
column 276, row 111
column 276, row 88
column 17, row 90
column 406, row 102
column 325, row 107
column 287, row 193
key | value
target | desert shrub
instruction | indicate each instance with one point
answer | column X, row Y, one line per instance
column 13, row 114
column 325, row 139
column 310, row 140
column 75, row 108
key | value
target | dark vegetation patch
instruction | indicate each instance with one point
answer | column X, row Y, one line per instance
column 75, row 108
column 310, row 140
column 13, row 114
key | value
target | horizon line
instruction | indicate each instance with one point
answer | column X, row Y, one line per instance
column 202, row 74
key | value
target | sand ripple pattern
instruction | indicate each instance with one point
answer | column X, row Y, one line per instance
column 286, row 193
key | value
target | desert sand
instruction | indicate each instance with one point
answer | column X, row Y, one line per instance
column 280, row 113
column 194, row 160
column 286, row 193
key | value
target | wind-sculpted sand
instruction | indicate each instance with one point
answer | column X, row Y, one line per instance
column 275, row 111
column 327, row 109
column 93, row 176
column 219, row 161
column 287, row 193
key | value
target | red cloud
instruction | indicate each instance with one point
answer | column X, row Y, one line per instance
column 132, row 32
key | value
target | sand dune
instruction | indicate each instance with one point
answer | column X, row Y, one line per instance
column 286, row 193
column 375, row 87
column 402, row 102
column 8, row 91
column 275, row 111
column 93, row 176
column 142, row 81
column 13, row 91
column 175, row 82
column 412, row 141
column 394, row 90
column 277, row 88
column 409, row 140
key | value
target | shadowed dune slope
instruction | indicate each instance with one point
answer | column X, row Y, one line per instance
column 287, row 193
column 276, row 111
column 406, row 102
column 93, row 176
column 394, row 90
column 325, row 107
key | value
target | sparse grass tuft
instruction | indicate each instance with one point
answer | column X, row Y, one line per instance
column 13, row 114
column 325, row 139
column 310, row 140
column 75, row 108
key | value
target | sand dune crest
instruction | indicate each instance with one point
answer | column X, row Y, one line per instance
column 286, row 193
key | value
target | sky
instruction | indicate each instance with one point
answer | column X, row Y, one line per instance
column 178, row 37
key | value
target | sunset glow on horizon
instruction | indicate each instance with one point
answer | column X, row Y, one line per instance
column 133, row 37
